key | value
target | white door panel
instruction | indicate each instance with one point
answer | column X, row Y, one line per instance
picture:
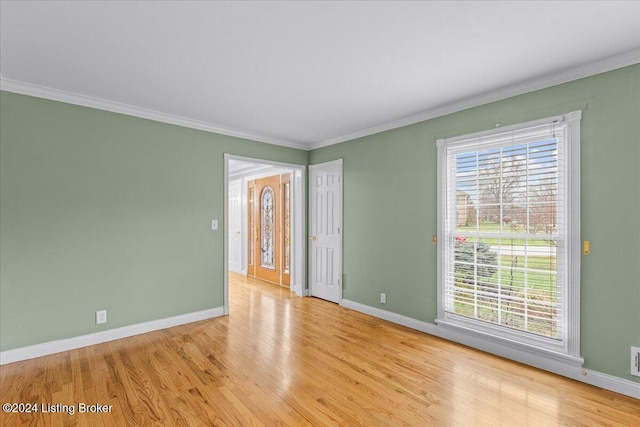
column 235, row 226
column 325, row 222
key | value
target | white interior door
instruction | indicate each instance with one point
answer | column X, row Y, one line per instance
column 325, row 230
column 235, row 226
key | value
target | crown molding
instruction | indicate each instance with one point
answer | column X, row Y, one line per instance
column 608, row 64
column 38, row 91
column 611, row 63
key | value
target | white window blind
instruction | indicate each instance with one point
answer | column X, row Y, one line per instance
column 505, row 231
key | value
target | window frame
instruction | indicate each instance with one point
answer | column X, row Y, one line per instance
column 568, row 346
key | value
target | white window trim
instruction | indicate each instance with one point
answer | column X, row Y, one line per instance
column 569, row 350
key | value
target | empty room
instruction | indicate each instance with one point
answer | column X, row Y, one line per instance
column 317, row 213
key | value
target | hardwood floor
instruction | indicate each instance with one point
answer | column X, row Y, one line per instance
column 282, row 360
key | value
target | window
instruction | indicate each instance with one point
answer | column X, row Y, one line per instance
column 509, row 221
column 267, row 223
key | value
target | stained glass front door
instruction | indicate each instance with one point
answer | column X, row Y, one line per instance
column 265, row 229
column 270, row 225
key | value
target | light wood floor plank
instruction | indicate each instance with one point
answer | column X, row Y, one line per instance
column 279, row 360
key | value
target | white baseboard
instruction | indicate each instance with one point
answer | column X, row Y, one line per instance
column 557, row 365
column 51, row 347
column 610, row 382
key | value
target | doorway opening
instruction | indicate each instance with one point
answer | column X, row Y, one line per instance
column 264, row 222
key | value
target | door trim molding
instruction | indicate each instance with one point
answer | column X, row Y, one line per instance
column 298, row 241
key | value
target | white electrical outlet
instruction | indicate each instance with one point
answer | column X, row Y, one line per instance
column 383, row 298
column 635, row 361
column 101, row 317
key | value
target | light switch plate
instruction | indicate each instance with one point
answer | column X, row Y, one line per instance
column 214, row 224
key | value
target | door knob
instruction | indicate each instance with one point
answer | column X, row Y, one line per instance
column 313, row 238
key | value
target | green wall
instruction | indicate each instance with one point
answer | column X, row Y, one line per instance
column 390, row 208
column 105, row 211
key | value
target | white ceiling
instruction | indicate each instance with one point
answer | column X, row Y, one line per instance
column 251, row 170
column 306, row 74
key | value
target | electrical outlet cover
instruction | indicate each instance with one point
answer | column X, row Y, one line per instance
column 101, row 317
column 635, row 361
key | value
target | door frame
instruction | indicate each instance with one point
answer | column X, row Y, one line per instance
column 340, row 163
column 298, row 223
